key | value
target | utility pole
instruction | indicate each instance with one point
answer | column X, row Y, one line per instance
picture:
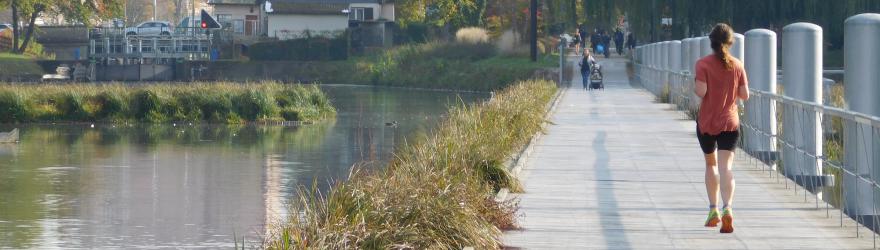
column 155, row 9
column 533, row 26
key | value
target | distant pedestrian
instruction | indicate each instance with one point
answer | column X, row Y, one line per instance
column 720, row 81
column 595, row 40
column 618, row 41
column 606, row 40
column 584, row 35
column 586, row 64
column 630, row 41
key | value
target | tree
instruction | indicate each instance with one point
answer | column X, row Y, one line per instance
column 85, row 12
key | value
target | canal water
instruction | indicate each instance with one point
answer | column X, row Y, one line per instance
column 182, row 185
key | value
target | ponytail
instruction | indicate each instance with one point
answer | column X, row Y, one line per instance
column 722, row 38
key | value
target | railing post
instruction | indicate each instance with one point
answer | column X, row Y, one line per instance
column 665, row 61
column 655, row 58
column 802, row 78
column 760, row 64
column 674, row 61
column 685, row 69
column 861, row 87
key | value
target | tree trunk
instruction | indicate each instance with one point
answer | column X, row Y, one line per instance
column 30, row 31
column 15, row 27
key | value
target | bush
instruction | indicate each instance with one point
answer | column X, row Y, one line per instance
column 12, row 107
column 145, row 105
column 254, row 105
column 70, row 106
column 110, row 104
column 472, row 35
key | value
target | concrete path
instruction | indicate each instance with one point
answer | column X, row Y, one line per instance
column 618, row 171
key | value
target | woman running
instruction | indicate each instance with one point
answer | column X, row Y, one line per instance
column 720, row 81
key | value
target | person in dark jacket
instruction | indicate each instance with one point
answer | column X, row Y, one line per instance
column 630, row 41
column 618, row 41
column 606, row 40
column 596, row 40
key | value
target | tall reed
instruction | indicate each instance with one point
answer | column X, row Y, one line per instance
column 156, row 103
column 437, row 193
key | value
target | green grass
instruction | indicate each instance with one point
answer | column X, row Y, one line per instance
column 157, row 103
column 12, row 65
column 437, row 194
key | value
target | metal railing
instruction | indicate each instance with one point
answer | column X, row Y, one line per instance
column 838, row 170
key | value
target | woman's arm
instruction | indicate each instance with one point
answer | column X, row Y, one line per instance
column 700, row 88
column 743, row 92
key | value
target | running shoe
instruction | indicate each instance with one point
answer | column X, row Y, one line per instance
column 713, row 219
column 727, row 221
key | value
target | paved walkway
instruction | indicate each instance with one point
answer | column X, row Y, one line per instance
column 618, row 171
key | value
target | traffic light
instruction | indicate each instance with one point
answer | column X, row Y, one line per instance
column 208, row 22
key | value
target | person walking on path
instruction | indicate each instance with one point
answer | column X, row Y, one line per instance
column 720, row 81
column 586, row 65
column 630, row 41
column 618, row 41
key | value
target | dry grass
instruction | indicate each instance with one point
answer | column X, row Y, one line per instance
column 472, row 35
column 436, row 194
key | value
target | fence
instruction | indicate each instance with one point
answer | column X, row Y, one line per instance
column 829, row 154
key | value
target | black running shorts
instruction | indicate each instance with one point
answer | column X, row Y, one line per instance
column 726, row 140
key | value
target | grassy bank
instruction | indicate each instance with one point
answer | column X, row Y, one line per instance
column 437, row 193
column 156, row 103
column 453, row 65
column 14, row 66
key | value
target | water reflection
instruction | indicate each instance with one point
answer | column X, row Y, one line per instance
column 190, row 185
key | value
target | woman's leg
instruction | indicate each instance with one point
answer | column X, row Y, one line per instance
column 712, row 179
column 728, row 184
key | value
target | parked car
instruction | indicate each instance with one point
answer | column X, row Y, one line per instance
column 4, row 26
column 150, row 28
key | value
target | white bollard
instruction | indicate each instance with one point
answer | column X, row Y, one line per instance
column 861, row 87
column 705, row 46
column 802, row 78
column 684, row 55
column 666, row 61
column 760, row 64
column 655, row 58
column 738, row 49
column 674, row 48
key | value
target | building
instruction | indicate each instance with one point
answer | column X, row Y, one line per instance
column 241, row 17
column 288, row 19
column 291, row 18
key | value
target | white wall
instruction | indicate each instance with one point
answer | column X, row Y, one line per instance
column 388, row 12
column 284, row 25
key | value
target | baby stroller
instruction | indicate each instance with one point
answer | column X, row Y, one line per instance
column 596, row 77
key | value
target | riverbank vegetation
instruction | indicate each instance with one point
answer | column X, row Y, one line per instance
column 434, row 65
column 437, row 194
column 158, row 103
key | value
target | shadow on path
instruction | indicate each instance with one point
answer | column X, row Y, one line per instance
column 612, row 227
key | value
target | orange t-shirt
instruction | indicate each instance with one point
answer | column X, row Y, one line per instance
column 718, row 111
